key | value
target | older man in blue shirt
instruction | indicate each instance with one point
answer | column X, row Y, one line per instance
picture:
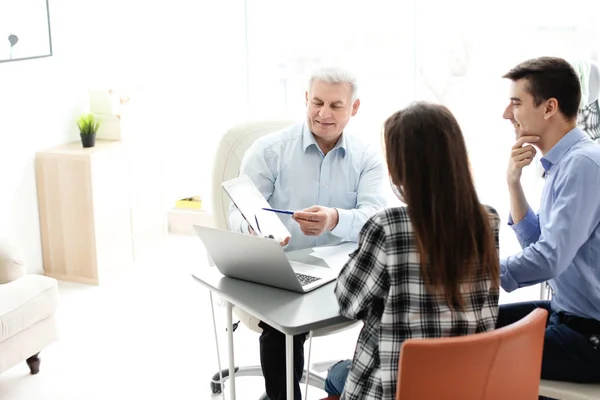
column 334, row 181
column 561, row 243
column 337, row 189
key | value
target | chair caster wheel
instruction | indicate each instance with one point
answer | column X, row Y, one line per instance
column 215, row 383
column 215, row 388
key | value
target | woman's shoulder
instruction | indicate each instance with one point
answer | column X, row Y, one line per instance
column 389, row 221
column 391, row 216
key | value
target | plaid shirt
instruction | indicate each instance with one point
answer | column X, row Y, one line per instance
column 381, row 284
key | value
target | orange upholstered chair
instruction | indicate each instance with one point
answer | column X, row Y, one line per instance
column 502, row 364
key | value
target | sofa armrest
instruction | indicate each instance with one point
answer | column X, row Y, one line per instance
column 12, row 262
column 26, row 289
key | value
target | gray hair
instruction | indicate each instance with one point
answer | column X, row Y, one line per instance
column 335, row 76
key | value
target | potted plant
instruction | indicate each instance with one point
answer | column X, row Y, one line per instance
column 88, row 126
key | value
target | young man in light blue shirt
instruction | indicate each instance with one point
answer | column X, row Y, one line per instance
column 331, row 179
column 561, row 243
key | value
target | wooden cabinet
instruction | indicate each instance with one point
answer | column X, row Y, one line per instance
column 90, row 224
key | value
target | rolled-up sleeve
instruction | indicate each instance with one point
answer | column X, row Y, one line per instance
column 527, row 229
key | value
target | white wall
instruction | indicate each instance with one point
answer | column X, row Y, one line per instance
column 38, row 101
column 188, row 58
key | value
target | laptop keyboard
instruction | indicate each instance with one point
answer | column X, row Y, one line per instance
column 306, row 279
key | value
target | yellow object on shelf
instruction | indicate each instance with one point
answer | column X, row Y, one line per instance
column 194, row 203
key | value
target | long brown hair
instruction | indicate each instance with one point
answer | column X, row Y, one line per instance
column 427, row 160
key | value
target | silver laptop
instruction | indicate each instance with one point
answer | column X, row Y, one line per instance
column 260, row 260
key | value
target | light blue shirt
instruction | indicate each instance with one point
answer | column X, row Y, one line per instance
column 562, row 242
column 292, row 173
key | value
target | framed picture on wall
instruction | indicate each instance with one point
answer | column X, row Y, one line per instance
column 24, row 30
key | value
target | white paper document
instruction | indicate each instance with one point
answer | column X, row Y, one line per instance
column 335, row 256
column 250, row 202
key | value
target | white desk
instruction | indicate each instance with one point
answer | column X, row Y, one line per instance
column 289, row 312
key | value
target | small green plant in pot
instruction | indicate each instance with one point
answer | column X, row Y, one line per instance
column 88, row 126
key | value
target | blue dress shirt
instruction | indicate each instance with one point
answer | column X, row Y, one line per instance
column 562, row 242
column 292, row 173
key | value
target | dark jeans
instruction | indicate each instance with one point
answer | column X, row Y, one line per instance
column 568, row 354
column 272, row 361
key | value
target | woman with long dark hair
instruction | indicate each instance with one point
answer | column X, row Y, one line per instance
column 427, row 270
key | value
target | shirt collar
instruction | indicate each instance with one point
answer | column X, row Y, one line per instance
column 561, row 148
column 308, row 139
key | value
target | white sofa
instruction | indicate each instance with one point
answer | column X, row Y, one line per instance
column 27, row 310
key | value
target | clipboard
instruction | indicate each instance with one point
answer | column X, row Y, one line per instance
column 250, row 202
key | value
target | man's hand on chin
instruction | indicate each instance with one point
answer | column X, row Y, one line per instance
column 315, row 220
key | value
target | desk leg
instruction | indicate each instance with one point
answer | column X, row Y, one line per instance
column 212, row 309
column 289, row 366
column 230, row 342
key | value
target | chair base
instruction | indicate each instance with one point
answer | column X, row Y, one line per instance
column 216, row 385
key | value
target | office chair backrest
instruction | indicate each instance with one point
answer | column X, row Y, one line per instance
column 502, row 364
column 228, row 159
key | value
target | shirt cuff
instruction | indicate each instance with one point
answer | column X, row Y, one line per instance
column 345, row 218
column 526, row 228
column 507, row 281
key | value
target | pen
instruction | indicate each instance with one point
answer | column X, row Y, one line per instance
column 279, row 211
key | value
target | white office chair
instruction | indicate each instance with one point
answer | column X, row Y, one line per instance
column 227, row 163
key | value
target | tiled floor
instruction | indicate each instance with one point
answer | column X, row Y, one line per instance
column 148, row 334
